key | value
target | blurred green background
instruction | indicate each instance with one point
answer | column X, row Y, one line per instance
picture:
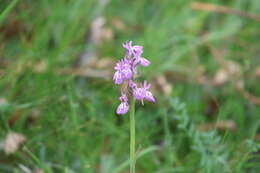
column 58, row 100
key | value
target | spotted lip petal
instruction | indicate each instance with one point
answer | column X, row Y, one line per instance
column 127, row 73
column 144, row 62
column 118, row 78
column 138, row 50
column 139, row 93
column 122, row 108
column 132, row 84
column 149, row 97
column 123, row 98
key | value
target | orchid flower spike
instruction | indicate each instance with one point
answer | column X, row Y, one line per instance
column 125, row 71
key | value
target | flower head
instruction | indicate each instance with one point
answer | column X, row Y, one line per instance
column 125, row 71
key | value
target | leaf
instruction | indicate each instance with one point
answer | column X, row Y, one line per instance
column 8, row 9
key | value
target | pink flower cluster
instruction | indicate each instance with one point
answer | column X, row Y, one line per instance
column 125, row 71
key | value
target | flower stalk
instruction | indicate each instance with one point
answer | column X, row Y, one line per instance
column 132, row 137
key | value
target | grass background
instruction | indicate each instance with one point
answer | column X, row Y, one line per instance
column 69, row 120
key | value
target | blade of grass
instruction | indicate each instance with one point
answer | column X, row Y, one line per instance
column 8, row 9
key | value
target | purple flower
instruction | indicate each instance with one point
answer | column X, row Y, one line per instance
column 137, row 52
column 122, row 108
column 139, row 93
column 133, row 50
column 148, row 94
column 125, row 71
column 143, row 93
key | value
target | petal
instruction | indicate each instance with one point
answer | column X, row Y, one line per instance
column 139, row 93
column 132, row 84
column 127, row 73
column 149, row 97
column 118, row 78
column 144, row 62
column 122, row 108
column 138, row 55
column 138, row 49
column 128, row 46
column 146, row 85
column 117, row 67
column 136, row 61
column 123, row 98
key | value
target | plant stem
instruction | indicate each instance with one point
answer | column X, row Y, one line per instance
column 132, row 136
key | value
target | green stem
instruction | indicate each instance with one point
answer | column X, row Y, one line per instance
column 132, row 136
